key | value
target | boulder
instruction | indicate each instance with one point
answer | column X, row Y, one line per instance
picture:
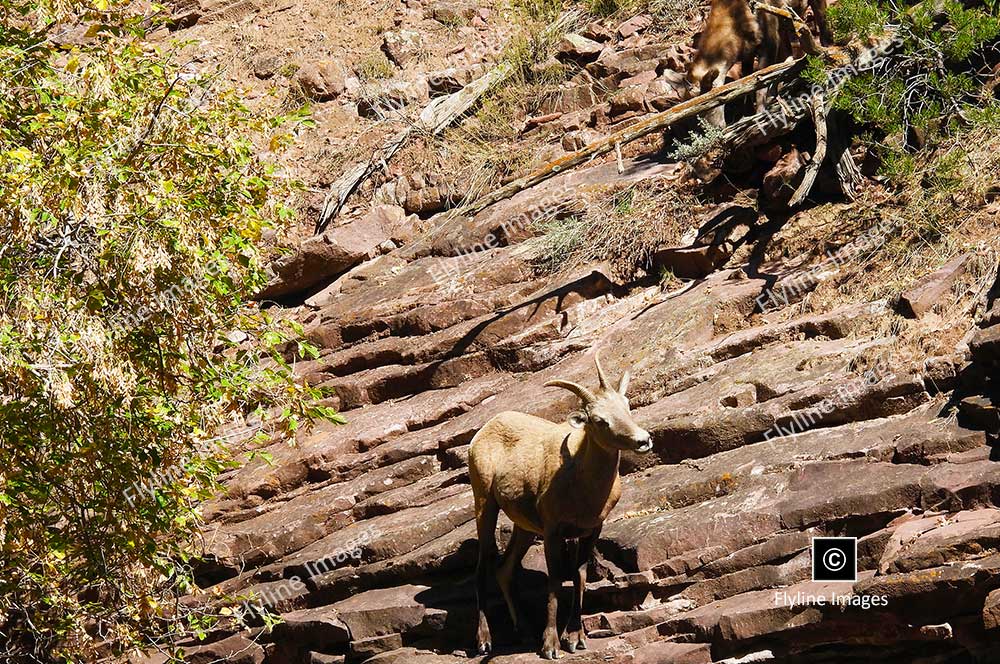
column 237, row 649
column 991, row 610
column 323, row 257
column 577, row 48
column 322, row 81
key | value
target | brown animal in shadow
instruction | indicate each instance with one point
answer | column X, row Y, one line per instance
column 735, row 33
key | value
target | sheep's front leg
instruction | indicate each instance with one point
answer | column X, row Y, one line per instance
column 576, row 637
column 550, row 638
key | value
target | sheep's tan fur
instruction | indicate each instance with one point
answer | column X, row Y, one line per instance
column 555, row 480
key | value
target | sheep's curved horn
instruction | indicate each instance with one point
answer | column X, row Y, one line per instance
column 579, row 390
column 623, row 383
column 605, row 385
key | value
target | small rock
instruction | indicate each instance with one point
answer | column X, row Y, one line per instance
column 662, row 94
column 629, row 100
column 266, row 66
column 577, row 48
column 451, row 13
column 575, row 140
column 641, row 78
column 574, row 121
column 450, row 80
column 770, row 152
column 928, row 291
column 780, row 181
column 597, row 32
column 402, row 46
column 634, row 25
column 420, row 193
column 322, row 81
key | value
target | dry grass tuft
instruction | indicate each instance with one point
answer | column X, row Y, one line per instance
column 623, row 228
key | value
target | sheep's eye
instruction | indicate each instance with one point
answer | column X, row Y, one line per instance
column 597, row 419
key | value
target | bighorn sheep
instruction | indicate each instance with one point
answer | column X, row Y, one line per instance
column 559, row 481
column 734, row 33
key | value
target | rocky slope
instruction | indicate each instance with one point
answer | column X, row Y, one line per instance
column 362, row 536
column 772, row 424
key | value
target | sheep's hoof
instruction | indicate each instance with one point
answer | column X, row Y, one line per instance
column 550, row 647
column 485, row 648
column 575, row 641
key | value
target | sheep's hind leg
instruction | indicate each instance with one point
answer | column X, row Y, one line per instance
column 520, row 541
column 576, row 637
column 487, row 512
column 553, row 559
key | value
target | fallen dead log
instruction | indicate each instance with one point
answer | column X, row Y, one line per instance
column 777, row 73
column 434, row 118
column 783, row 115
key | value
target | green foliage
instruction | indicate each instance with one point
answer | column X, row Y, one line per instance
column 815, row 71
column 926, row 83
column 962, row 31
column 857, row 18
column 603, row 7
column 132, row 206
column 539, row 10
column 699, row 143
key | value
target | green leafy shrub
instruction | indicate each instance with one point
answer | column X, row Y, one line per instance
column 915, row 94
column 132, row 205
column 857, row 18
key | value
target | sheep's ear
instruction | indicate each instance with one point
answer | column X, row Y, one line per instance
column 578, row 419
column 623, row 383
